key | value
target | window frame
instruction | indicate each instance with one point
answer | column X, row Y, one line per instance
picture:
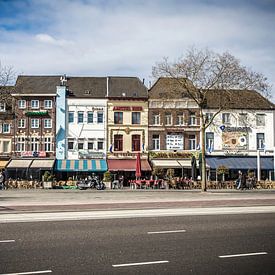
column 136, row 143
column 22, row 106
column 79, row 114
column 71, row 115
column 49, row 101
column 32, row 123
column 118, row 143
column 260, row 123
column 35, row 107
column 45, row 122
column 4, row 130
column 118, row 118
column 260, row 145
column 20, row 120
column 136, row 118
column 99, row 114
column 155, row 141
column 2, row 107
column 90, row 114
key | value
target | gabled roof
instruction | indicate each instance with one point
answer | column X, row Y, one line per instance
column 238, row 99
column 166, row 87
column 29, row 84
column 86, row 87
column 126, row 87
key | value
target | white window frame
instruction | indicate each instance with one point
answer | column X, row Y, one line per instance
column 192, row 142
column 47, row 123
column 8, row 130
column 35, row 106
column 48, row 104
column 156, row 119
column 20, row 143
column 156, row 142
column 21, row 123
column 35, row 142
column 192, row 119
column 2, row 106
column 48, row 144
column 168, row 119
column 21, row 104
column 34, row 123
column 180, row 119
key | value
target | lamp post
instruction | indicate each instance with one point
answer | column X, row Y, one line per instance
column 258, row 166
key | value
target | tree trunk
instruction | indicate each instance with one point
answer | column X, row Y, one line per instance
column 203, row 163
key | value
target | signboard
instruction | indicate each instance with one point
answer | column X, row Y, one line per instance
column 174, row 142
column 234, row 141
column 36, row 154
column 127, row 108
column 91, row 155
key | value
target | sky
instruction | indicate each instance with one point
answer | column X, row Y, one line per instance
column 124, row 37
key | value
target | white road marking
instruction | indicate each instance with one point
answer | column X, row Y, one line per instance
column 7, row 241
column 142, row 263
column 243, row 255
column 126, row 214
column 164, row 232
column 31, row 272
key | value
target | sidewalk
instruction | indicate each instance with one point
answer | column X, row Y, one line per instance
column 18, row 201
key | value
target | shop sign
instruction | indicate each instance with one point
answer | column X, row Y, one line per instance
column 234, row 141
column 36, row 154
column 237, row 129
column 174, row 142
column 91, row 155
column 127, row 108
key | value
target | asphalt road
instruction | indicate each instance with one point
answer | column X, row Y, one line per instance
column 101, row 246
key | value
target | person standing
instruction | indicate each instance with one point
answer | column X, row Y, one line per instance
column 239, row 180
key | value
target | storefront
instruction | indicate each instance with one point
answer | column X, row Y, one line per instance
column 246, row 165
column 127, row 169
column 80, row 168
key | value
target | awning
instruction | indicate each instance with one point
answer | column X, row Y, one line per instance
column 42, row 163
column 3, row 163
column 19, row 163
column 127, row 165
column 240, row 163
column 167, row 163
column 81, row 165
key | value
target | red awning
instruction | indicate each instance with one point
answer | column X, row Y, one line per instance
column 127, row 165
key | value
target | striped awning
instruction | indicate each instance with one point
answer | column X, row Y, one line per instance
column 74, row 165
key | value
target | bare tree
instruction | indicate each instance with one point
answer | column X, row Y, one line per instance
column 199, row 72
column 7, row 78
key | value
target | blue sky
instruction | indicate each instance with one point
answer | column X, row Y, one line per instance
column 120, row 37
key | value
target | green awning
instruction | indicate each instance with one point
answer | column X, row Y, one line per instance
column 81, row 165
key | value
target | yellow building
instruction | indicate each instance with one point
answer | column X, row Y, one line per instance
column 127, row 126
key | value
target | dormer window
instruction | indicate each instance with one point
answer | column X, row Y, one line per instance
column 35, row 104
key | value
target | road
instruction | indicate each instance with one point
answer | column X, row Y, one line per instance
column 101, row 246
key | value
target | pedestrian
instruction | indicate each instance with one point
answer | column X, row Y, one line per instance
column 243, row 181
column 239, row 180
column 2, row 180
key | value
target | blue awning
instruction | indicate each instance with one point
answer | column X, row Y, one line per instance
column 240, row 163
column 81, row 165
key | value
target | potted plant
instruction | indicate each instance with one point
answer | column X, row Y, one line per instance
column 107, row 179
column 47, row 179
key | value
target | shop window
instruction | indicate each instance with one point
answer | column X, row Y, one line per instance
column 118, row 142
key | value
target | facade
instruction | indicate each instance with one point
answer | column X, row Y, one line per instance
column 242, row 132
column 127, row 126
column 6, row 125
column 34, row 126
column 174, row 127
column 82, row 110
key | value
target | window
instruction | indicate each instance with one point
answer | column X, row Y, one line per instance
column 6, row 128
column 47, row 144
column 48, row 104
column 226, row 118
column 192, row 119
column 242, row 119
column 260, row 120
column 156, row 119
column 135, row 117
column 99, row 117
column 35, row 123
column 118, row 142
column 71, row 117
column 209, row 142
column 2, row 107
column 192, row 142
column 118, row 117
column 180, row 119
column 80, row 145
column 80, row 117
column 260, row 141
column 156, row 142
column 70, row 144
column 99, row 145
column 90, row 117
column 20, row 144
column 168, row 119
column 21, row 123
column 135, row 142
column 208, row 117
column 35, row 104
column 34, row 144
column 21, row 104
column 6, row 146
column 47, row 123
column 90, row 145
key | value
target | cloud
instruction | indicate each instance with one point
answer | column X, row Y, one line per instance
column 127, row 37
